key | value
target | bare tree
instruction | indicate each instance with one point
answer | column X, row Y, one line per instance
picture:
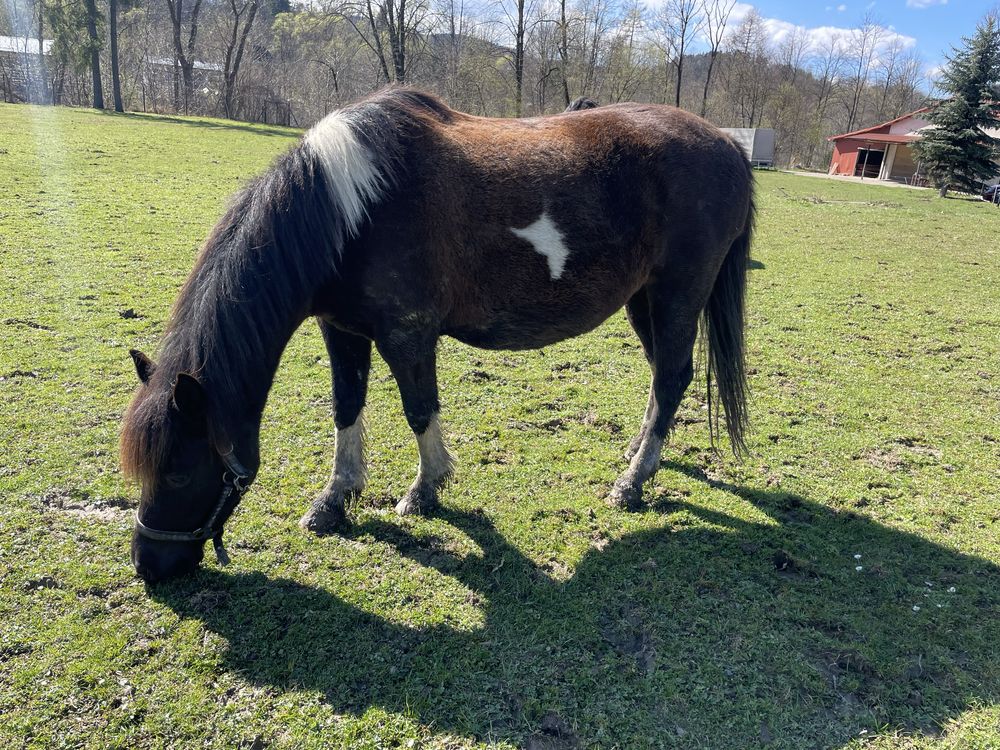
column 116, row 81
column 564, row 51
column 595, row 22
column 906, row 91
column 392, row 24
column 863, row 43
column 792, row 52
column 242, row 15
column 184, row 52
column 747, row 70
column 678, row 22
column 394, row 18
column 517, row 20
column 888, row 70
column 828, row 68
column 716, row 16
column 626, row 64
column 94, row 52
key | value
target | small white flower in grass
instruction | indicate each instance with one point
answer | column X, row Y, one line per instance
column 857, row 557
column 951, row 589
column 859, row 568
column 916, row 608
column 928, row 584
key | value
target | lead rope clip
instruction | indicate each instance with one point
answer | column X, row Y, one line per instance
column 220, row 549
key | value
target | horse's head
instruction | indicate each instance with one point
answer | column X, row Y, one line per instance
column 190, row 483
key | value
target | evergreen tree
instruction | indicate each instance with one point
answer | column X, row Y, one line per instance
column 957, row 152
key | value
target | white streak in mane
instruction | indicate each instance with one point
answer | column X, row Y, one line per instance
column 547, row 240
column 350, row 169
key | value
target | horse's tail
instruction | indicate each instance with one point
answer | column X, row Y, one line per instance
column 724, row 322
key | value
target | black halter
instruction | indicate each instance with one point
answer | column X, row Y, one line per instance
column 235, row 481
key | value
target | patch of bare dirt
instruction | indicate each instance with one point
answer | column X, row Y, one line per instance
column 80, row 503
column 629, row 636
column 885, row 459
column 27, row 323
column 19, row 374
column 592, row 419
column 208, row 600
column 554, row 733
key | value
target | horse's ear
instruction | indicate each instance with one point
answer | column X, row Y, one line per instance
column 144, row 366
column 189, row 396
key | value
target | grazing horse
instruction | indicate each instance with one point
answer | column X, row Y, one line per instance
column 584, row 102
column 396, row 221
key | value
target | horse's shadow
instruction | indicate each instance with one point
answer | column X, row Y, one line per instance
column 726, row 634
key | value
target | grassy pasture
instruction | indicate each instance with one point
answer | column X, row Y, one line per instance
column 838, row 589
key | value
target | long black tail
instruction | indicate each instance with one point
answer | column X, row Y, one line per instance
column 724, row 323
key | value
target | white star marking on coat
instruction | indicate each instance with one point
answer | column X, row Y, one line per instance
column 547, row 240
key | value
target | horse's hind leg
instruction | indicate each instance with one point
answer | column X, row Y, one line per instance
column 413, row 364
column 637, row 311
column 350, row 362
column 673, row 326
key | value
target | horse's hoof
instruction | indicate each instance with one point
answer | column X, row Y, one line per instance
column 418, row 501
column 625, row 496
column 324, row 517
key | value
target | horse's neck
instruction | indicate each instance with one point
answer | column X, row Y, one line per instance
column 237, row 334
column 257, row 281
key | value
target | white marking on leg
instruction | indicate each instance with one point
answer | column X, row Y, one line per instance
column 647, row 459
column 349, row 469
column 350, row 168
column 435, row 459
column 547, row 240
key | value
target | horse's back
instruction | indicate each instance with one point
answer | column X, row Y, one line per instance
column 526, row 232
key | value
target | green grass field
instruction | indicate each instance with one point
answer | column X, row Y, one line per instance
column 838, row 589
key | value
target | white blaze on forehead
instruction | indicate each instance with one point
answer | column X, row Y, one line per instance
column 547, row 240
column 350, row 169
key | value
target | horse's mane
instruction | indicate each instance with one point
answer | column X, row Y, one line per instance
column 282, row 237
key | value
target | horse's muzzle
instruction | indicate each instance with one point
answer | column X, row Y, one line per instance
column 157, row 561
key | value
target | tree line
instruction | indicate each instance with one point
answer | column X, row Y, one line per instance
column 270, row 61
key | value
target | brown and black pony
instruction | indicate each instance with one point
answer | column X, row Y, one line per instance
column 396, row 221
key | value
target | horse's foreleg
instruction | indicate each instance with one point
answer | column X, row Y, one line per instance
column 350, row 362
column 672, row 333
column 414, row 367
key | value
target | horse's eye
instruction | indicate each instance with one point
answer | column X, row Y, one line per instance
column 177, row 480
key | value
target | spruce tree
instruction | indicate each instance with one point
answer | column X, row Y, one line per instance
column 956, row 152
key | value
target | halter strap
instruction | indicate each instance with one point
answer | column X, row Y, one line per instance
column 235, row 480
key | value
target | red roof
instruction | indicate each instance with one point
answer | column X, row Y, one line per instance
column 871, row 136
column 880, row 138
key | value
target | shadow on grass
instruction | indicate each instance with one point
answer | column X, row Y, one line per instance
column 720, row 634
column 286, row 132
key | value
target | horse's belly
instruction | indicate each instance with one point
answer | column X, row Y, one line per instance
column 537, row 324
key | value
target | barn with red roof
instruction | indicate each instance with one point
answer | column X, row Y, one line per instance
column 882, row 151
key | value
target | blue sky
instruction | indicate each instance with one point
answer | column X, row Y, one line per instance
column 934, row 26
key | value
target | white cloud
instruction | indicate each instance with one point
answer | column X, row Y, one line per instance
column 818, row 36
column 921, row 4
column 841, row 8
